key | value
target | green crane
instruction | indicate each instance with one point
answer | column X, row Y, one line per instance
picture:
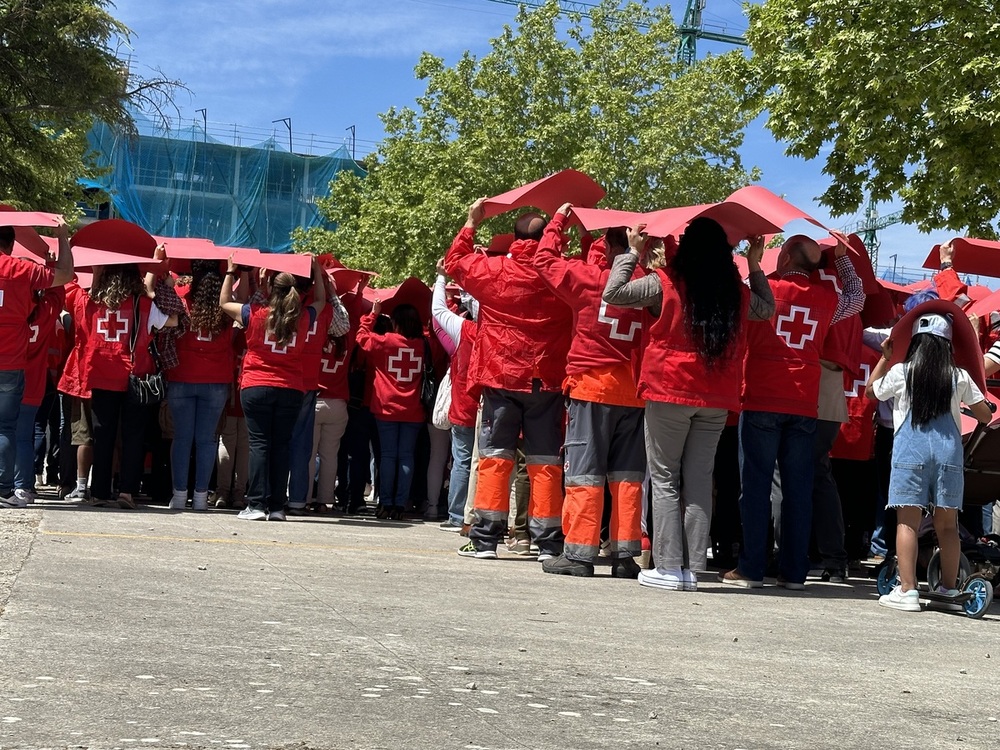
column 868, row 229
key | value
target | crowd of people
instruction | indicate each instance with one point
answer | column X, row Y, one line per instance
column 629, row 398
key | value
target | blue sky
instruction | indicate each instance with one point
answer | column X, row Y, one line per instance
column 330, row 65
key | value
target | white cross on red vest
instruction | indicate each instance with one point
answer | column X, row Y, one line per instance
column 112, row 326
column 34, row 333
column 859, row 385
column 275, row 346
column 336, row 364
column 404, row 365
column 614, row 322
column 797, row 328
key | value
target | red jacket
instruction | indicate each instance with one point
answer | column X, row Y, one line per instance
column 203, row 357
column 268, row 364
column 781, row 373
column 524, row 329
column 42, row 329
column 603, row 335
column 856, row 440
column 672, row 369
column 464, row 399
column 396, row 365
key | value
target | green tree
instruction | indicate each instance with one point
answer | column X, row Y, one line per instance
column 902, row 97
column 605, row 96
column 57, row 74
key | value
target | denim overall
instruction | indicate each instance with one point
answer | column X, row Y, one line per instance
column 927, row 464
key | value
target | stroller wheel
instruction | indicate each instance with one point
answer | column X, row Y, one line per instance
column 886, row 576
column 934, row 569
column 982, row 596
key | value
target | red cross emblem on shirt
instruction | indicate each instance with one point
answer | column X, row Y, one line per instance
column 112, row 326
column 336, row 363
column 797, row 327
column 34, row 333
column 404, row 365
column 275, row 346
column 312, row 331
column 858, row 387
column 634, row 327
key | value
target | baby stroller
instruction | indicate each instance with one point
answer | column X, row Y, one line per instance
column 979, row 563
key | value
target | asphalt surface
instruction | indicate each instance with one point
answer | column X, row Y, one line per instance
column 144, row 629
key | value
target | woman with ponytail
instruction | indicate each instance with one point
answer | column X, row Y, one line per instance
column 271, row 385
column 199, row 385
column 694, row 340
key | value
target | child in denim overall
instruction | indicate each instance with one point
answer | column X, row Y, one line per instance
column 928, row 389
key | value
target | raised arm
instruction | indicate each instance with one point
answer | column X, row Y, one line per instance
column 852, row 296
column 231, row 308
column 449, row 323
column 621, row 289
column 63, row 271
column 462, row 261
column 761, row 297
column 568, row 278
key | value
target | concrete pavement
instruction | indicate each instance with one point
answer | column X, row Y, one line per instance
column 128, row 629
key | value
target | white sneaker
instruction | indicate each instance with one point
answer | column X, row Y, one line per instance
column 199, row 501
column 252, row 514
column 26, row 495
column 179, row 500
column 671, row 579
column 12, row 502
column 690, row 580
column 905, row 601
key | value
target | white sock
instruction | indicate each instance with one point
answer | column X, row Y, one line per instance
column 81, row 483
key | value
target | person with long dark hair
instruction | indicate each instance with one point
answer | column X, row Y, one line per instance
column 928, row 390
column 271, row 384
column 695, row 340
column 398, row 362
column 199, row 385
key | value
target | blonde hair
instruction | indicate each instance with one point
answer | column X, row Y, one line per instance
column 116, row 284
column 285, row 305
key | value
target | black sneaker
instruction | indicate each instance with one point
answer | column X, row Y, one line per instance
column 625, row 567
column 563, row 566
column 834, row 575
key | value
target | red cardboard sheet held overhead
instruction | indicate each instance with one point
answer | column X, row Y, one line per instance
column 858, row 254
column 670, row 222
column 11, row 217
column 980, row 257
column 117, row 236
column 88, row 257
column 548, row 194
column 293, row 263
column 983, row 307
column 595, row 219
column 411, row 292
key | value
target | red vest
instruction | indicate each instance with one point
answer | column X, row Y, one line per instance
column 843, row 342
column 464, row 398
column 41, row 335
column 334, row 370
column 395, row 364
column 204, row 358
column 19, row 279
column 672, row 369
column 266, row 363
column 856, row 440
column 107, row 337
column 781, row 372
column 312, row 353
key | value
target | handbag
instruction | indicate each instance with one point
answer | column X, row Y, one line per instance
column 144, row 390
column 428, row 383
column 442, row 404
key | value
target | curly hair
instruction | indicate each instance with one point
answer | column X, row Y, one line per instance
column 203, row 299
column 285, row 303
column 116, row 284
column 712, row 289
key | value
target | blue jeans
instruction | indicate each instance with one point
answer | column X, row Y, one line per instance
column 195, row 409
column 399, row 442
column 766, row 438
column 301, row 467
column 11, row 390
column 462, row 440
column 24, row 461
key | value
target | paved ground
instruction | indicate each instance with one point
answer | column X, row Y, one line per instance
column 157, row 629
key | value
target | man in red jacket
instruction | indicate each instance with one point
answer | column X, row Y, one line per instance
column 604, row 435
column 519, row 359
column 780, row 398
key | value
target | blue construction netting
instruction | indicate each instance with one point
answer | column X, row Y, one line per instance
column 185, row 183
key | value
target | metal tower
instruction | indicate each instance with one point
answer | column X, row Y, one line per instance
column 692, row 29
column 868, row 229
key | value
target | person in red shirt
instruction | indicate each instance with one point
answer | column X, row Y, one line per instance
column 271, row 387
column 604, row 433
column 199, row 384
column 519, row 360
column 19, row 280
column 114, row 323
column 690, row 379
column 397, row 359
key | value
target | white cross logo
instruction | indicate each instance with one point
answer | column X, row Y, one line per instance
column 859, row 385
column 112, row 330
column 275, row 346
column 204, row 337
column 796, row 327
column 1, row 297
column 336, row 364
column 616, row 334
column 34, row 333
column 833, row 279
column 312, row 331
column 413, row 362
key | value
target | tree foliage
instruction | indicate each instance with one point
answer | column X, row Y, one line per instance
column 605, row 96
column 57, row 73
column 902, row 97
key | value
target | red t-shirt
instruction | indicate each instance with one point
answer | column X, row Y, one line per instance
column 203, row 357
column 312, row 353
column 42, row 327
column 19, row 279
column 267, row 363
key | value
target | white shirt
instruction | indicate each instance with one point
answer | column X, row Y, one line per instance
column 893, row 385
